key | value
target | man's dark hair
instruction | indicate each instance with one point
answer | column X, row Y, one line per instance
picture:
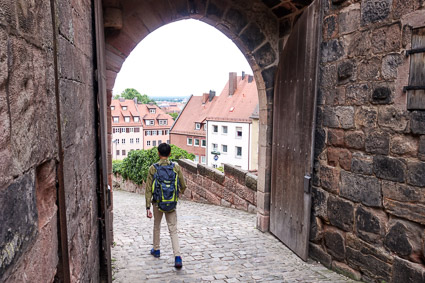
column 164, row 149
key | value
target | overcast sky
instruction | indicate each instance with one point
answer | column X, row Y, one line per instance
column 179, row 59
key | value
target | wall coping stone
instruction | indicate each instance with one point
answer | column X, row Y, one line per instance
column 251, row 181
column 188, row 165
column 236, row 173
column 211, row 173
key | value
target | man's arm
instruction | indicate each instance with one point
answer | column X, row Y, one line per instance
column 148, row 189
column 181, row 180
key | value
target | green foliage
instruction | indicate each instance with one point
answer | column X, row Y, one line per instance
column 116, row 167
column 174, row 115
column 136, row 165
column 221, row 169
column 131, row 93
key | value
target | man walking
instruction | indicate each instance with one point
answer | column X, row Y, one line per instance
column 164, row 183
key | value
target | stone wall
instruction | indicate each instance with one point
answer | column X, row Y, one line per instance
column 369, row 186
column 29, row 160
column 119, row 183
column 234, row 188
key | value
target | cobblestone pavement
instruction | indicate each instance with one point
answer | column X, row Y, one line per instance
column 217, row 244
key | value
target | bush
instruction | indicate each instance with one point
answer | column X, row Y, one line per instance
column 136, row 165
column 116, row 167
column 221, row 169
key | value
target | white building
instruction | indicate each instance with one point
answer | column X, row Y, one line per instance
column 231, row 136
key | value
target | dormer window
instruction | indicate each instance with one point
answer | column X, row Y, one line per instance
column 116, row 119
column 136, row 119
column 150, row 122
column 152, row 110
column 127, row 119
column 124, row 108
column 112, row 107
column 197, row 126
column 163, row 122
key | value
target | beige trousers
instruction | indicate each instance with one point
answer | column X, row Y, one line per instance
column 171, row 218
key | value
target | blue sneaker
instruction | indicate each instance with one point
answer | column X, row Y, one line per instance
column 178, row 262
column 155, row 253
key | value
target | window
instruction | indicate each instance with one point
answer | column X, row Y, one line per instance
column 215, row 129
column 205, row 127
column 214, row 165
column 123, row 141
column 160, row 133
column 148, row 133
column 197, row 158
column 112, row 107
column 238, row 132
column 124, row 108
column 152, row 110
column 131, row 130
column 118, row 152
column 154, row 133
column 163, row 122
column 189, row 141
column 137, row 140
column 136, row 130
column 136, row 119
column 196, row 142
column 416, row 87
column 148, row 143
column 197, row 126
column 159, row 142
column 214, row 146
column 131, row 140
column 204, row 143
column 150, row 122
column 238, row 151
column 167, row 132
column 168, row 141
column 117, row 141
column 123, row 152
column 203, row 160
column 122, row 130
column 116, row 119
column 154, row 143
column 127, row 119
column 224, row 148
column 224, row 130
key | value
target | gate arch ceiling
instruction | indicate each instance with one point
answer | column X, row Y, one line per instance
column 258, row 28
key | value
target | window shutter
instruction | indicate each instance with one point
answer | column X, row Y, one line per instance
column 416, row 88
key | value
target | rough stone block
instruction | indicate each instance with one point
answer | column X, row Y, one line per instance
column 316, row 230
column 251, row 181
column 236, row 20
column 368, row 264
column 330, row 27
column 328, row 76
column 377, row 142
column 329, row 177
column 386, row 39
column 211, row 173
column 252, row 208
column 416, row 173
column 417, row 122
column 404, row 145
column 405, row 210
column 263, row 203
column 317, row 253
column 19, row 219
column 389, row 168
column 335, row 137
column 366, row 117
column 405, row 271
column 368, row 70
column 228, row 196
column 332, row 50
column 397, row 239
column 335, row 243
column 359, row 44
column 235, row 173
column 390, row 63
column 421, row 150
column 349, row 20
column 345, row 71
column 252, row 36
column 263, row 222
column 217, row 189
column 392, row 118
column 212, row 198
column 265, row 55
column 345, row 270
column 362, row 164
column 381, row 95
column 339, row 117
column 340, row 213
column 225, row 203
column 370, row 224
column 188, row 165
column 319, row 205
column 357, row 94
column 230, row 184
column 375, row 10
column 402, row 192
column 354, row 139
column 245, row 193
column 358, row 188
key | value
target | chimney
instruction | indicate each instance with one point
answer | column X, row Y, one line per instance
column 211, row 96
column 135, row 100
column 243, row 75
column 122, row 99
column 250, row 79
column 205, row 98
column 233, row 82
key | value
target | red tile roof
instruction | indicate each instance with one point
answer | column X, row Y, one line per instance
column 236, row 108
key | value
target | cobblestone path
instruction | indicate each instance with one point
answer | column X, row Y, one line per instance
column 217, row 244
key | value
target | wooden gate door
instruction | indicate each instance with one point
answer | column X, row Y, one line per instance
column 293, row 133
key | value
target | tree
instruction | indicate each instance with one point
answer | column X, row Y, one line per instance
column 174, row 115
column 131, row 93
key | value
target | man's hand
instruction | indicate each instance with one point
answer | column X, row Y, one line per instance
column 148, row 213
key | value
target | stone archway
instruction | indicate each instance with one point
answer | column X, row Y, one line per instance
column 258, row 30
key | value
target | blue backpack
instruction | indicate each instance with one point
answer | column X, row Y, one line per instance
column 165, row 187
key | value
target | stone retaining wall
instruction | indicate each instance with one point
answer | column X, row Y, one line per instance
column 119, row 183
column 234, row 188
